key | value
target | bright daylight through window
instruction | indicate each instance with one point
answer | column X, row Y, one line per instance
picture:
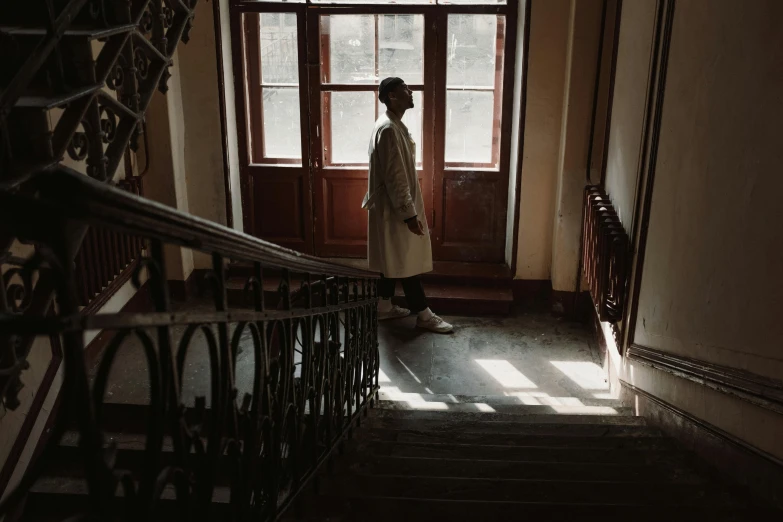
column 356, row 52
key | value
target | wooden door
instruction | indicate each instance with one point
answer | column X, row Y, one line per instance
column 472, row 136
column 354, row 52
column 307, row 102
column 272, row 127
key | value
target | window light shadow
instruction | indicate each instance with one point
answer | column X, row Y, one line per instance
column 505, row 373
column 563, row 405
column 588, row 375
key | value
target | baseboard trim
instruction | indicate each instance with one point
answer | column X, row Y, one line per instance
column 756, row 389
column 738, row 461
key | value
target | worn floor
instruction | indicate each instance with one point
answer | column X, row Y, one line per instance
column 531, row 359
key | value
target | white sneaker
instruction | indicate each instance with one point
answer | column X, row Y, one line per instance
column 395, row 312
column 434, row 324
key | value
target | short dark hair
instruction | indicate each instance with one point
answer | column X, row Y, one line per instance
column 387, row 86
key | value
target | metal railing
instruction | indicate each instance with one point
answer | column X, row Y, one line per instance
column 76, row 78
column 315, row 356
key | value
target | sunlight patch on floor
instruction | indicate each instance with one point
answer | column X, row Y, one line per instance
column 505, row 373
column 588, row 375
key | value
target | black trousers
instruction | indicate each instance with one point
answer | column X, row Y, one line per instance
column 414, row 291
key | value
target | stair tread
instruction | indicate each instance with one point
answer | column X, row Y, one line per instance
column 514, row 439
column 382, row 509
column 77, row 486
column 463, row 417
column 414, row 404
column 510, row 427
column 502, row 468
column 466, row 292
column 516, row 453
column 392, row 395
column 522, row 489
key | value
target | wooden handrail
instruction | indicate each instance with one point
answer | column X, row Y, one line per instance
column 72, row 195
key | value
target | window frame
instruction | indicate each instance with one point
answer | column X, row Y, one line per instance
column 433, row 160
column 497, row 99
column 326, row 88
column 252, row 77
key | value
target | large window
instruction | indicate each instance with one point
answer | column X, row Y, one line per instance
column 474, row 90
column 308, row 100
column 357, row 52
column 273, row 100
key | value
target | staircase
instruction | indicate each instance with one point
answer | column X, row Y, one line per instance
column 436, row 459
column 423, row 461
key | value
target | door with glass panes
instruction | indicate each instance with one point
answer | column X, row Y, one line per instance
column 311, row 133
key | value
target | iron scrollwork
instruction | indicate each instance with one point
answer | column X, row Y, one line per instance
column 310, row 346
column 313, row 341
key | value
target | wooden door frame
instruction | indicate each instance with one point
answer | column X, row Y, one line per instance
column 504, row 105
column 321, row 129
column 308, row 96
column 282, row 170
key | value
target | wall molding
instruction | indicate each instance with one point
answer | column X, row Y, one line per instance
column 760, row 472
column 645, row 176
column 756, row 389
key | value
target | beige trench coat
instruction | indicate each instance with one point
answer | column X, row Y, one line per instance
column 394, row 195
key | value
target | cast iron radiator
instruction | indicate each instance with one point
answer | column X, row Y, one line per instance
column 604, row 255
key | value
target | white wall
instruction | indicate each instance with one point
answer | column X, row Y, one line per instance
column 583, row 48
column 712, row 286
column 632, row 78
column 549, row 22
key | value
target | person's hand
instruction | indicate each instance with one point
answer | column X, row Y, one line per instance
column 415, row 226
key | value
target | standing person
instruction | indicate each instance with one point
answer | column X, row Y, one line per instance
column 398, row 243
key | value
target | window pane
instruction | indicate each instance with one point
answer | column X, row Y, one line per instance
column 412, row 120
column 351, row 117
column 279, row 51
column 469, row 116
column 471, row 50
column 425, row 2
column 352, row 48
column 401, row 47
column 281, row 123
column 447, row 2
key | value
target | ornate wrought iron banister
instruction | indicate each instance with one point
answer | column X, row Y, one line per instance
column 315, row 358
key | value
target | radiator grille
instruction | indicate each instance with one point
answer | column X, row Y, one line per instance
column 605, row 255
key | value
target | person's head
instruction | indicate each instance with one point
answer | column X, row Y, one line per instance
column 395, row 95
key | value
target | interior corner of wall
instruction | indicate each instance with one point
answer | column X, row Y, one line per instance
column 229, row 100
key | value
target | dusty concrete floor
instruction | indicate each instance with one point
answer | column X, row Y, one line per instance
column 529, row 359
column 535, row 358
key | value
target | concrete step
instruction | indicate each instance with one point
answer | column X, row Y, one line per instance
column 466, row 300
column 517, row 439
column 391, row 410
column 58, row 498
column 420, row 402
column 380, row 508
column 393, row 394
column 476, row 468
column 534, row 425
column 541, row 453
column 526, row 490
